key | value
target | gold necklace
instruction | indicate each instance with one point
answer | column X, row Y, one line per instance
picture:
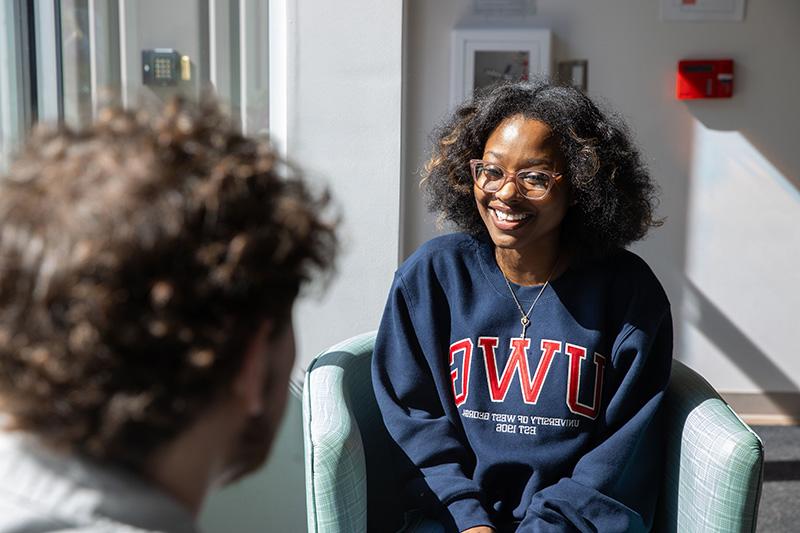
column 524, row 320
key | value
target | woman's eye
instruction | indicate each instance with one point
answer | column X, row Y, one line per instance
column 536, row 180
column 493, row 173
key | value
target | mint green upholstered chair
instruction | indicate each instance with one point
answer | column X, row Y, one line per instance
column 713, row 465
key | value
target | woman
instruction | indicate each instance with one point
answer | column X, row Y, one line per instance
column 520, row 364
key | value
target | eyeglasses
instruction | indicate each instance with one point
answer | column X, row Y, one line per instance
column 531, row 183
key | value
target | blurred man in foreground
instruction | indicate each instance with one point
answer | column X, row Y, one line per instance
column 148, row 268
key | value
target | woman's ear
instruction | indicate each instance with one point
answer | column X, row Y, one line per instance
column 248, row 384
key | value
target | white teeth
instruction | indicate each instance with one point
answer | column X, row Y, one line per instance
column 510, row 217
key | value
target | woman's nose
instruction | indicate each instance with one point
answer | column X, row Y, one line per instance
column 508, row 191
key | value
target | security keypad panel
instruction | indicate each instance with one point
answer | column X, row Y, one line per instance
column 161, row 67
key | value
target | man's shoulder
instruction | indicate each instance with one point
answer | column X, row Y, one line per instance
column 42, row 489
column 38, row 521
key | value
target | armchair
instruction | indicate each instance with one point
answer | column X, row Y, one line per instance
column 713, row 464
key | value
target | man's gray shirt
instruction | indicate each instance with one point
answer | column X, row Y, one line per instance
column 43, row 490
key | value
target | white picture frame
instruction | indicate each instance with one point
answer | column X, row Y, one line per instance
column 507, row 48
column 703, row 10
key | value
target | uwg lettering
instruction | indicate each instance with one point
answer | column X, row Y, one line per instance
column 498, row 382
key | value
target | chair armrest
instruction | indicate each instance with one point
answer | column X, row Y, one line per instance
column 714, row 461
column 336, row 493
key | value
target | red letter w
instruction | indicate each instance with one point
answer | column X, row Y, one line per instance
column 517, row 363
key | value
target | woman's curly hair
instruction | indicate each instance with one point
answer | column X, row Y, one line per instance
column 137, row 259
column 613, row 194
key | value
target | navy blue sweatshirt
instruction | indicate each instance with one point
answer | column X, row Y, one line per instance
column 557, row 430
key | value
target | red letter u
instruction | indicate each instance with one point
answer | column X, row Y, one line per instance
column 576, row 355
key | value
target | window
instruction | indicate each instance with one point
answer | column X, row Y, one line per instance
column 67, row 58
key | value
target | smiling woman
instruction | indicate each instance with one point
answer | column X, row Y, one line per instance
column 547, row 191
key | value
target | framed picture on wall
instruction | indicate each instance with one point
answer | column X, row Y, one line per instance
column 482, row 57
column 729, row 10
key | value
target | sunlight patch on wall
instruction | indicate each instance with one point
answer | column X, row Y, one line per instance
column 743, row 280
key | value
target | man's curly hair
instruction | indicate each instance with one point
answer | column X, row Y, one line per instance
column 614, row 197
column 137, row 260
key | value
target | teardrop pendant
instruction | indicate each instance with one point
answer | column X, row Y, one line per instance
column 524, row 321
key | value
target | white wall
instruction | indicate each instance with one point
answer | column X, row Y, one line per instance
column 729, row 169
column 343, row 125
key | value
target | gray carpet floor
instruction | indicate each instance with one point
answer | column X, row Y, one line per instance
column 779, row 510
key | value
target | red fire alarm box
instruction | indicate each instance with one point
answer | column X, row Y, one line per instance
column 704, row 78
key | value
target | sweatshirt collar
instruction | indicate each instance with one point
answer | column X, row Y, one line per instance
column 484, row 249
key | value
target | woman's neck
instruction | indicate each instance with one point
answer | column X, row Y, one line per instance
column 531, row 267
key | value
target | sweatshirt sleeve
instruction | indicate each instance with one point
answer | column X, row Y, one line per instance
column 413, row 412
column 613, row 488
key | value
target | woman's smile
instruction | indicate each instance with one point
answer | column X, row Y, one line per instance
column 508, row 219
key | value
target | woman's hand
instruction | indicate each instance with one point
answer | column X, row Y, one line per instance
column 479, row 529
